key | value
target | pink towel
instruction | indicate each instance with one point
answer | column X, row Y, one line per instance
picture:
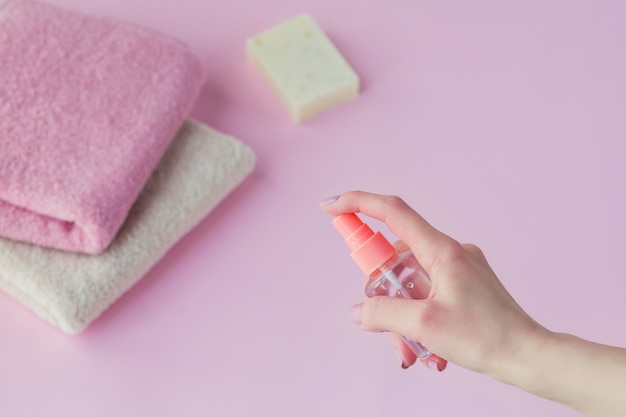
column 199, row 169
column 88, row 106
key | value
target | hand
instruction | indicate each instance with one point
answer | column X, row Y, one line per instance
column 470, row 319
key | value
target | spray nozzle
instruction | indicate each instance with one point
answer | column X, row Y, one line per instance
column 369, row 250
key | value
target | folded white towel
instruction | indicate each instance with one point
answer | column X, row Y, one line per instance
column 70, row 290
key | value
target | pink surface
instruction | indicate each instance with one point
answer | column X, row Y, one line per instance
column 87, row 108
column 502, row 124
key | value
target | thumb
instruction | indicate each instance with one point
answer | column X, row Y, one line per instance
column 391, row 314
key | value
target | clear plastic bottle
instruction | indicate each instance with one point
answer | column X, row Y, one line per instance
column 389, row 273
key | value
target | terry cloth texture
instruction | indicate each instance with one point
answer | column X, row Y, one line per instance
column 88, row 105
column 71, row 289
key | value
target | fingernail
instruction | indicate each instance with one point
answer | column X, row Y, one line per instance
column 329, row 200
column 433, row 365
column 355, row 313
column 402, row 364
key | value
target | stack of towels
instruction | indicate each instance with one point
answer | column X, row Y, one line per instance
column 101, row 170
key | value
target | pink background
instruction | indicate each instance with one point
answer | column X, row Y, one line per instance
column 501, row 122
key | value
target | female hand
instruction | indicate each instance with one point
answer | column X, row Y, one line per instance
column 470, row 319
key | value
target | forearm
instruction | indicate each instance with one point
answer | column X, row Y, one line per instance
column 586, row 376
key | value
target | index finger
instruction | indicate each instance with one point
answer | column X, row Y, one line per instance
column 424, row 240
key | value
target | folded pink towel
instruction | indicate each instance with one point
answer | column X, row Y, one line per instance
column 199, row 169
column 88, row 106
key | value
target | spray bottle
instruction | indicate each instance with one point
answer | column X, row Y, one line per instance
column 390, row 273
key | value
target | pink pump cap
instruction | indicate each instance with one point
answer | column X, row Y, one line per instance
column 370, row 250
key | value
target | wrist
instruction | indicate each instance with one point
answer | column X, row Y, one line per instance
column 517, row 364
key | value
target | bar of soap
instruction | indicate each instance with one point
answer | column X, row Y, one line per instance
column 303, row 67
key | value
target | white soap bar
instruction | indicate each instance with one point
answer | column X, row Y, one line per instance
column 303, row 67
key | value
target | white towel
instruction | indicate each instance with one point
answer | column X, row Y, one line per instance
column 70, row 290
